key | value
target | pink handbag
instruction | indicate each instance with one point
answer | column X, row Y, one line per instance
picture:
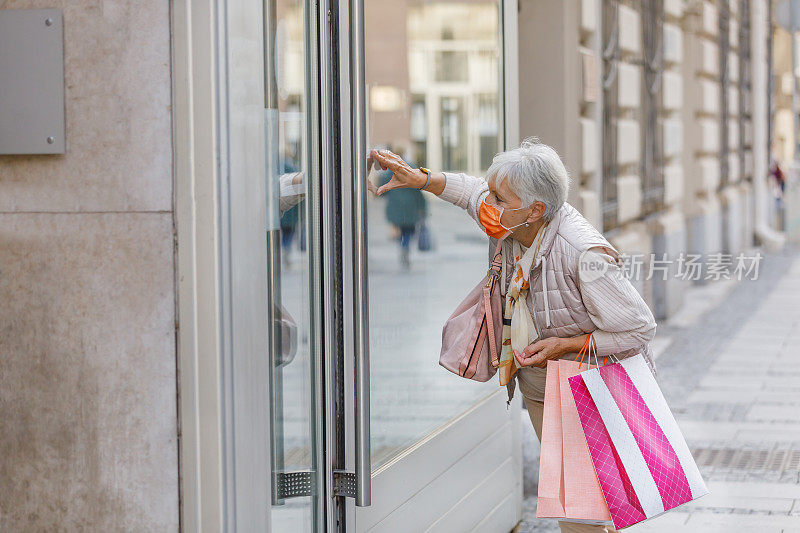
column 472, row 335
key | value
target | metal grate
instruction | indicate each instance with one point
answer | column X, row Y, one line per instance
column 745, row 87
column 793, row 462
column 344, row 483
column 753, row 459
column 652, row 164
column 293, row 484
column 610, row 58
column 724, row 49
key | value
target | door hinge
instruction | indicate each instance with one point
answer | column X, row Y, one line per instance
column 344, row 483
column 294, row 484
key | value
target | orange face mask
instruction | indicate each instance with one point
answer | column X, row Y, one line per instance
column 489, row 217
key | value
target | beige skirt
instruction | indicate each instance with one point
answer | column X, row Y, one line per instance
column 531, row 381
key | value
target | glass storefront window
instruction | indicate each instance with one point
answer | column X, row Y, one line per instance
column 293, row 425
column 442, row 60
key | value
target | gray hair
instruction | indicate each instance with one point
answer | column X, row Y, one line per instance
column 535, row 173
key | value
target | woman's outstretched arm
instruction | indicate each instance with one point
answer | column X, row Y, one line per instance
column 458, row 188
column 291, row 190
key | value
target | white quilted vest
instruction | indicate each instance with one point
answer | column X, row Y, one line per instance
column 554, row 297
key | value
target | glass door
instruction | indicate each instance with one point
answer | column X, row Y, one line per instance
column 338, row 416
column 424, row 254
column 434, row 92
column 291, row 121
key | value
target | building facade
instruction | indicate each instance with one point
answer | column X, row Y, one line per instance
column 668, row 100
column 211, row 324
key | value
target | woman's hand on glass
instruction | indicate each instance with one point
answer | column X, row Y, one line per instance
column 403, row 176
column 541, row 351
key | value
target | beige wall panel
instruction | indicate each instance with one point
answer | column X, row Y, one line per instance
column 734, row 172
column 709, row 96
column 88, row 375
column 786, row 83
column 550, row 84
column 589, row 206
column 672, row 133
column 709, row 138
column 589, row 148
column 673, row 8
column 673, row 183
column 673, row 43
column 117, row 100
column 748, row 132
column 672, row 93
column 709, row 174
column 89, row 434
column 589, row 16
column 629, row 86
column 627, row 141
column 709, row 58
column 630, row 37
column 709, row 18
column 629, row 196
column 636, row 241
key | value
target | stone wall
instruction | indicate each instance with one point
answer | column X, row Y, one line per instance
column 87, row 350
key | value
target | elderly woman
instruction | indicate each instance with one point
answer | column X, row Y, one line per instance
column 563, row 280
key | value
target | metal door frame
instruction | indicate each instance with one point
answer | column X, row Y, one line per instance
column 220, row 219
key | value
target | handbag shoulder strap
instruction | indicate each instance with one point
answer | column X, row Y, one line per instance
column 493, row 279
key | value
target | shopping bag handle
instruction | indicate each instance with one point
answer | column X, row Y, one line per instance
column 588, row 348
column 582, row 353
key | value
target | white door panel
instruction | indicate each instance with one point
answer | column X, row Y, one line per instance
column 436, row 477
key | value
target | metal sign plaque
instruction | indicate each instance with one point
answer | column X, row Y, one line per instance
column 31, row 81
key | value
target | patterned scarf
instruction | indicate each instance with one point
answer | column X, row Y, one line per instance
column 521, row 330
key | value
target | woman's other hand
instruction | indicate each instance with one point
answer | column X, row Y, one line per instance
column 403, row 176
column 541, row 351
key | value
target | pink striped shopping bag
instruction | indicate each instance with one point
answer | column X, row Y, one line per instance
column 639, row 454
column 568, row 487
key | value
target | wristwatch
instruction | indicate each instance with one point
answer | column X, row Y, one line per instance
column 427, row 171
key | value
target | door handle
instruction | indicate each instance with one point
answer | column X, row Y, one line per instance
column 363, row 466
column 273, row 273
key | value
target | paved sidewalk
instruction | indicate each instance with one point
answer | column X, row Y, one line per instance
column 732, row 377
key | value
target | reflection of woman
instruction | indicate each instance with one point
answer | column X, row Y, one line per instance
column 291, row 193
column 556, row 292
column 291, row 216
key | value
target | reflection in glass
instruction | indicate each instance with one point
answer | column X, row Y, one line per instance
column 440, row 61
column 291, row 394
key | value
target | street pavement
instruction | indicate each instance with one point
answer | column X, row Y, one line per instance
column 729, row 366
